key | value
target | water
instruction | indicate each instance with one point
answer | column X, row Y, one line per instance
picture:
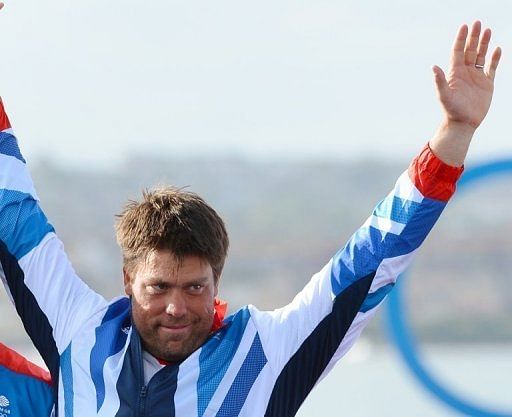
column 375, row 382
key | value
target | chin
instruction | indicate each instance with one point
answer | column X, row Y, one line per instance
column 173, row 350
column 174, row 347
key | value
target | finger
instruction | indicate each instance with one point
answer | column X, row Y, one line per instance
column 495, row 60
column 440, row 80
column 472, row 43
column 482, row 47
column 458, row 46
column 1, row 5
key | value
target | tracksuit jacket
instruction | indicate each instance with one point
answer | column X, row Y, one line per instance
column 25, row 389
column 260, row 363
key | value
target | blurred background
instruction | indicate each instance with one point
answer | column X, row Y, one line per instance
column 292, row 119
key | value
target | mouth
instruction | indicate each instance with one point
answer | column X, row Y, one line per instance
column 175, row 330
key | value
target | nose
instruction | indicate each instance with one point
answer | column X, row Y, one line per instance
column 176, row 304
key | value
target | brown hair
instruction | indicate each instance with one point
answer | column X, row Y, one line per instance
column 173, row 219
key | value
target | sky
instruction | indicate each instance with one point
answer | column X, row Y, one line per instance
column 92, row 82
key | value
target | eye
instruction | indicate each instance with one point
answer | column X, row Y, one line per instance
column 196, row 288
column 157, row 288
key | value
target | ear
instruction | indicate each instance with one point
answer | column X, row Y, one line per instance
column 127, row 282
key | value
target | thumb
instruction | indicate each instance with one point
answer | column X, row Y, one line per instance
column 440, row 80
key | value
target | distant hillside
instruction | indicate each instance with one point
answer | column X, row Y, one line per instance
column 286, row 219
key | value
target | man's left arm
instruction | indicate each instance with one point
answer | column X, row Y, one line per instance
column 303, row 340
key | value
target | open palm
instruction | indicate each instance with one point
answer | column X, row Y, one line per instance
column 466, row 92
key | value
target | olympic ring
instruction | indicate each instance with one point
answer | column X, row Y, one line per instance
column 400, row 330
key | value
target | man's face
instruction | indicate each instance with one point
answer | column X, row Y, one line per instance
column 172, row 303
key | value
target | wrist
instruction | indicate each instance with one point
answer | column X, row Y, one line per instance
column 461, row 130
column 451, row 142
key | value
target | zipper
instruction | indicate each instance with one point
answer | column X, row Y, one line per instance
column 142, row 402
column 140, row 377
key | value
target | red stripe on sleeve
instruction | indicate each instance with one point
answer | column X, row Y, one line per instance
column 17, row 363
column 4, row 120
column 432, row 177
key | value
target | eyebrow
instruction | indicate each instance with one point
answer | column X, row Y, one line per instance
column 200, row 280
column 159, row 280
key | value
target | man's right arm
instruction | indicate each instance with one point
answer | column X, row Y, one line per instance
column 51, row 300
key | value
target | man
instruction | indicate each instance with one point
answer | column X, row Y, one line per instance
column 165, row 350
column 25, row 389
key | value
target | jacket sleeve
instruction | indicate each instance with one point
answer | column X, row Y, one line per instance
column 26, row 389
column 49, row 297
column 303, row 340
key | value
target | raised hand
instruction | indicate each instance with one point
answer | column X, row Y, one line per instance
column 467, row 91
column 465, row 94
